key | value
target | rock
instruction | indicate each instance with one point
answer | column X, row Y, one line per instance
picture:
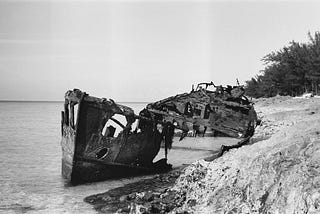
column 156, row 208
column 192, row 202
column 277, row 175
column 131, row 196
column 148, row 196
column 123, row 210
column 143, row 195
column 123, row 198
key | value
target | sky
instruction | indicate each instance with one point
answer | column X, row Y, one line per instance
column 140, row 51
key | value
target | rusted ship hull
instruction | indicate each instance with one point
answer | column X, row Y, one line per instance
column 90, row 155
column 90, row 170
column 92, row 152
column 225, row 110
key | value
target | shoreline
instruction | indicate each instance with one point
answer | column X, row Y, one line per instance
column 147, row 192
column 119, row 200
column 150, row 195
column 288, row 125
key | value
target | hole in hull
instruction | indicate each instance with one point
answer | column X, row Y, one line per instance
column 102, row 153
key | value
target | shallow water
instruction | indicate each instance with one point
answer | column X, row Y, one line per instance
column 30, row 161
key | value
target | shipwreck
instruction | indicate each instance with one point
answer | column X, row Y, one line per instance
column 92, row 152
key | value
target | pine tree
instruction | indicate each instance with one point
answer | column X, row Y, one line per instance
column 292, row 70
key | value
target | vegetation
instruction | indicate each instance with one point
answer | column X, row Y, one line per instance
column 293, row 70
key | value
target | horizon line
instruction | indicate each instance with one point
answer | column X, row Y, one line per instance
column 55, row 101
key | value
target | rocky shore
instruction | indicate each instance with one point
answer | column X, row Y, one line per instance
column 279, row 172
column 146, row 192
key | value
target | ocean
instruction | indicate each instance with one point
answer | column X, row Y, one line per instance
column 30, row 161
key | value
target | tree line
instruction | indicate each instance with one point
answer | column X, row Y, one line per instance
column 293, row 70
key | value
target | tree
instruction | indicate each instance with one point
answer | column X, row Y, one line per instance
column 292, row 70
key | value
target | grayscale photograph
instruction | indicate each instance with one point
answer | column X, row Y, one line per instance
column 159, row 106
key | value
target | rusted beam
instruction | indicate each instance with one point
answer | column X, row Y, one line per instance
column 224, row 148
column 66, row 112
column 117, row 122
column 72, row 115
